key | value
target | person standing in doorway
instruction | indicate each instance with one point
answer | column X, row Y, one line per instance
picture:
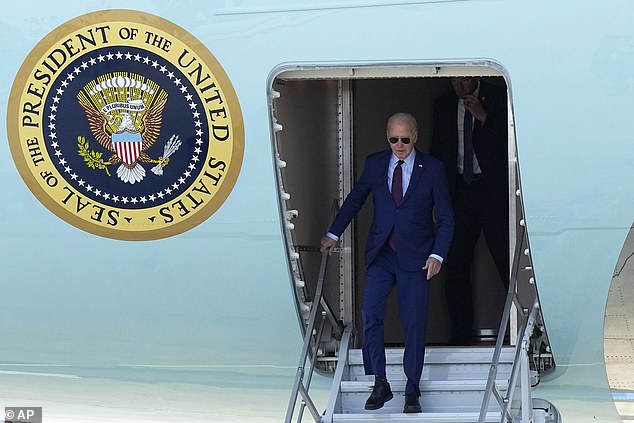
column 470, row 136
column 405, row 249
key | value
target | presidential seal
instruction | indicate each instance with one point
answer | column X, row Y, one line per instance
column 124, row 125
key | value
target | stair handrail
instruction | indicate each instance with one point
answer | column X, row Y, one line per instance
column 523, row 339
column 521, row 368
column 299, row 387
column 334, row 402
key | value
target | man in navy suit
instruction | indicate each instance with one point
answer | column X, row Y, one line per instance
column 471, row 121
column 404, row 249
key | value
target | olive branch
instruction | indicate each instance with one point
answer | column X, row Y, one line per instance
column 93, row 159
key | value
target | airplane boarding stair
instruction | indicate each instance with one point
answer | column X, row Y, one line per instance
column 452, row 387
column 459, row 384
column 475, row 384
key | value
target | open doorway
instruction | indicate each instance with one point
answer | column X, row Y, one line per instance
column 326, row 121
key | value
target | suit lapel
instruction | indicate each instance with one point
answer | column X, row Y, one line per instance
column 385, row 164
column 417, row 173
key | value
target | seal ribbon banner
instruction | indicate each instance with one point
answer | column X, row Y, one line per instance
column 124, row 125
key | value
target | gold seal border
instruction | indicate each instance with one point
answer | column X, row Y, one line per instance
column 184, row 37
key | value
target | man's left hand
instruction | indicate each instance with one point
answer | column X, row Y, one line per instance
column 433, row 267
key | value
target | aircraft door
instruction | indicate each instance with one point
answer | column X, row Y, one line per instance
column 324, row 125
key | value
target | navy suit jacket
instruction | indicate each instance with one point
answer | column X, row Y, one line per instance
column 426, row 198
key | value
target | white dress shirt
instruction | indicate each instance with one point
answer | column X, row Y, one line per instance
column 461, row 112
column 406, row 167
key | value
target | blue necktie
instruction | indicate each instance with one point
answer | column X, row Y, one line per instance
column 467, row 163
column 397, row 195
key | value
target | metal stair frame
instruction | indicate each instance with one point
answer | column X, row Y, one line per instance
column 514, row 409
column 312, row 338
column 341, row 372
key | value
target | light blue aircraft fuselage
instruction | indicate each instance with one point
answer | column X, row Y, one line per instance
column 217, row 297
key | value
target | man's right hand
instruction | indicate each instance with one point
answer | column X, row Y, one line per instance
column 327, row 244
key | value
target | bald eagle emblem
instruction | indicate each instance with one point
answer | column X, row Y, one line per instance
column 124, row 113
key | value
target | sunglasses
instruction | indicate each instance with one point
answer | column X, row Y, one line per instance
column 394, row 140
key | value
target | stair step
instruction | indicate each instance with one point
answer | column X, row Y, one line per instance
column 436, row 372
column 440, row 363
column 442, row 355
column 418, row 417
column 425, row 386
column 436, row 399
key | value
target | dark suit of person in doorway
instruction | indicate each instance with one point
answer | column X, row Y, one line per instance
column 405, row 249
column 471, row 121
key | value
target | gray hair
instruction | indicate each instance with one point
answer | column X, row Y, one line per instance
column 403, row 118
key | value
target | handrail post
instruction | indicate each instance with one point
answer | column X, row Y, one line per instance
column 342, row 362
column 527, row 406
column 527, row 398
column 309, row 376
column 298, row 385
column 495, row 360
column 294, row 392
column 521, row 367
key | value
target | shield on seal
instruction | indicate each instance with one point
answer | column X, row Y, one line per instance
column 127, row 145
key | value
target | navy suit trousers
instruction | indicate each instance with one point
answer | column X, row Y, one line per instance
column 383, row 274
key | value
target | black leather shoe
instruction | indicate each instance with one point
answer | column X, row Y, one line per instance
column 381, row 393
column 412, row 405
